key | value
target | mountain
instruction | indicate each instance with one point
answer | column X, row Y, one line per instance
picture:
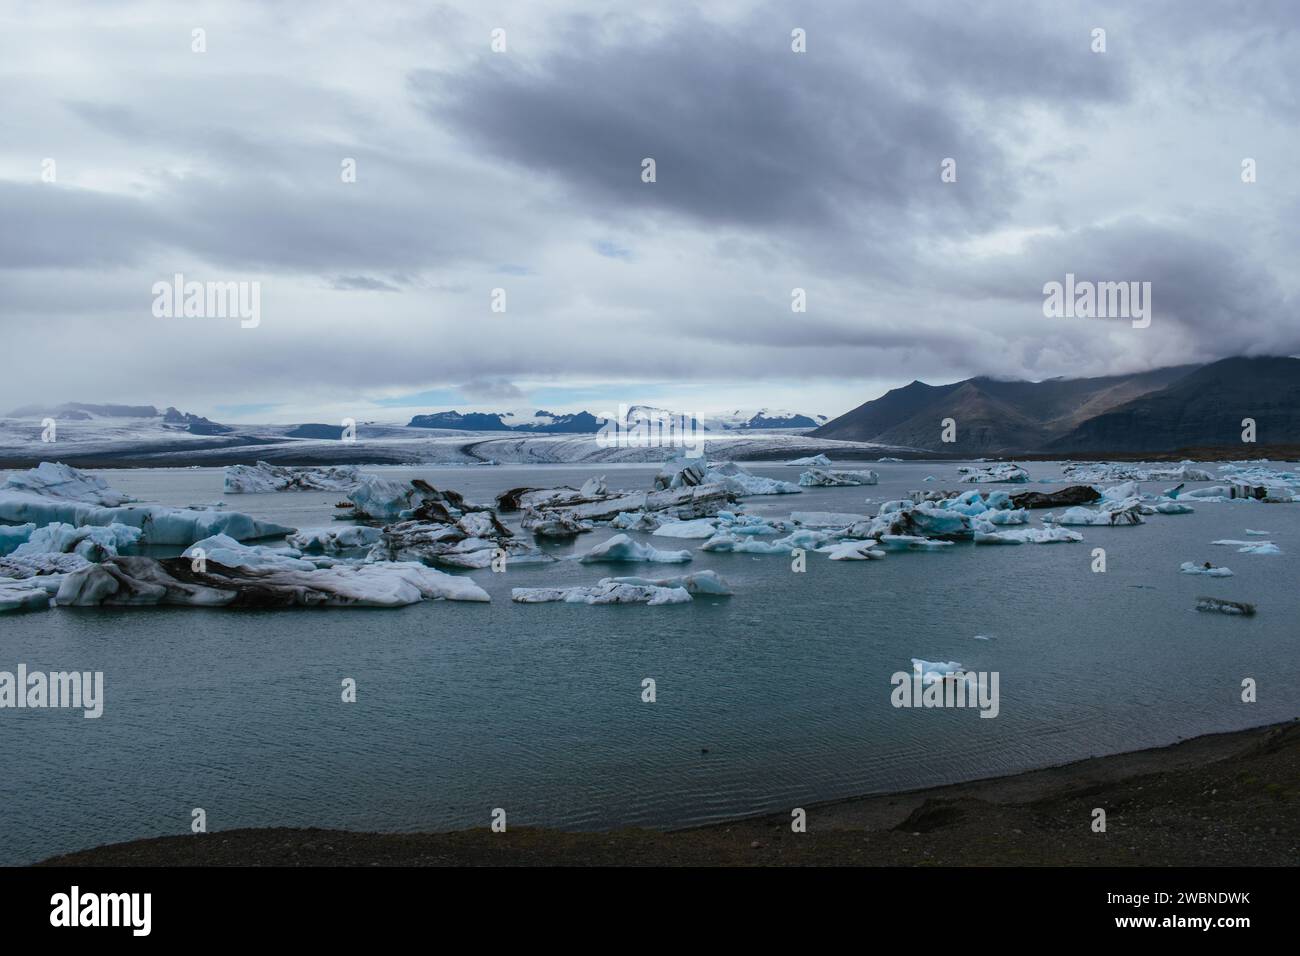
column 541, row 422
column 84, row 412
column 993, row 417
column 1202, row 409
column 769, row 418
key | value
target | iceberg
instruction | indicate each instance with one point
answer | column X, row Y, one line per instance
column 607, row 592
column 141, row 581
column 622, row 548
column 11, row 536
column 265, row 477
column 1128, row 514
column 224, row 550
column 701, row 582
column 911, row 542
column 335, row 540
column 699, row 528
column 559, row 524
column 1249, row 547
column 1003, row 473
column 813, row 461
column 1174, row 508
column 1189, row 567
column 1028, row 536
column 1223, row 606
column 863, row 550
column 94, row 543
column 57, row 480
column 32, row 594
column 817, row 478
column 634, row 521
column 932, row 671
column 690, row 472
column 1119, row 471
column 474, row 540
column 1065, row 498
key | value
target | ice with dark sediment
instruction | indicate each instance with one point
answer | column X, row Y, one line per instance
column 142, row 581
column 265, row 477
column 828, row 478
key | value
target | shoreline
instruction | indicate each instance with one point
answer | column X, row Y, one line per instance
column 1226, row 799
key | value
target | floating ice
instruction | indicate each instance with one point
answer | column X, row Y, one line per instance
column 817, row 478
column 1174, row 508
column 1120, row 471
column 690, row 472
column 909, row 542
column 701, row 582
column 334, row 540
column 699, row 528
column 1189, row 567
column 1250, row 547
column 814, row 461
column 607, row 592
column 137, row 581
column 864, row 550
column 94, row 543
column 1223, row 606
column 622, row 548
column 635, row 521
column 1028, row 536
column 265, row 477
column 1003, row 473
column 1129, row 514
column 56, row 480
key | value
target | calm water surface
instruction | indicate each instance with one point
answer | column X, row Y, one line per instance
column 536, row 708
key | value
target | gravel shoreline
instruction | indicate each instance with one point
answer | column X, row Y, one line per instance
column 1218, row 800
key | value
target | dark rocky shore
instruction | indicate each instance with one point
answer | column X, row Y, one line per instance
column 1219, row 800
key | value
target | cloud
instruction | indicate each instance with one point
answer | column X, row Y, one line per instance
column 522, row 171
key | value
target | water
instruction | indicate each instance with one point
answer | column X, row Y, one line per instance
column 536, row 708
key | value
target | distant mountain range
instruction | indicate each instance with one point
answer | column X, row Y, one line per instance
column 1187, row 406
column 84, row 412
column 548, row 423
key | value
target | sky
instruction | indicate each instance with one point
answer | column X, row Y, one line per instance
column 128, row 156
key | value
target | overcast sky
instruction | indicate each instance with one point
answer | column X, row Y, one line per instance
column 522, row 170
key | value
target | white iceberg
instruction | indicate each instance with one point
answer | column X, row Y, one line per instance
column 701, row 582
column 813, row 461
column 265, row 477
column 699, row 528
column 1003, row 473
column 336, row 539
column 1250, row 547
column 607, row 592
column 1028, row 536
column 1189, row 567
column 864, row 550
column 622, row 548
column 56, row 480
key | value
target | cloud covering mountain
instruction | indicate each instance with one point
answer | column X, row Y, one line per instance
column 521, row 171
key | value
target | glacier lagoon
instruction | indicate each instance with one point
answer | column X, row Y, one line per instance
column 776, row 697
